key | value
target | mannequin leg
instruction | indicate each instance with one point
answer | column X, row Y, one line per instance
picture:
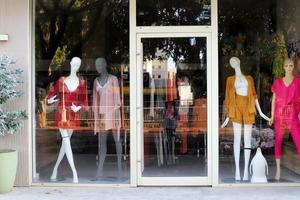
column 66, row 149
column 277, row 175
column 102, row 150
column 295, row 132
column 58, row 161
column 69, row 153
column 61, row 154
column 278, row 142
column 119, row 152
column 237, row 128
column 247, row 149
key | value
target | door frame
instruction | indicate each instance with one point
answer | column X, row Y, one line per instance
column 211, row 29
column 171, row 181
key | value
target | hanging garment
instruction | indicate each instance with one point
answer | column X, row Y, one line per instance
column 152, row 87
column 171, row 88
column 65, row 99
column 106, row 105
column 200, row 113
column 184, row 122
column 160, row 87
column 287, row 109
column 170, row 115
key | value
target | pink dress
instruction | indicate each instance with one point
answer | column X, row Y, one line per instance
column 287, row 108
column 106, row 105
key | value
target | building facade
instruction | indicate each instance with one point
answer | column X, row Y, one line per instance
column 141, row 93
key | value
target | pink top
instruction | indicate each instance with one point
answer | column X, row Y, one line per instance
column 287, row 100
column 106, row 104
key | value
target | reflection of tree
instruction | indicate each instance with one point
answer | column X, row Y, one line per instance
column 182, row 51
column 178, row 12
column 73, row 23
column 251, row 30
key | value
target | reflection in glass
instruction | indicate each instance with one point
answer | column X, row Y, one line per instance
column 173, row 13
column 175, row 112
column 87, row 29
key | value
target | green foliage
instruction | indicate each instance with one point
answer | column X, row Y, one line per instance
column 273, row 48
column 280, row 55
column 10, row 122
column 59, row 58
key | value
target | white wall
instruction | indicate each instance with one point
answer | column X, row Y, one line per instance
column 15, row 21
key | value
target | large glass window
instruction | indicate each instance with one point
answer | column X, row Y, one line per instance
column 175, row 107
column 255, row 37
column 173, row 13
column 82, row 84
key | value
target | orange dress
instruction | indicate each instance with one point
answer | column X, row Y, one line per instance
column 78, row 97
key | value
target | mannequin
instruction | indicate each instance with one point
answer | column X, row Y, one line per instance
column 72, row 97
column 240, row 103
column 259, row 168
column 285, row 110
column 106, row 109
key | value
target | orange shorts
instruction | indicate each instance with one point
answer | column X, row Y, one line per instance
column 242, row 115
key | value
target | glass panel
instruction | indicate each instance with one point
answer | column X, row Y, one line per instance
column 175, row 112
column 92, row 139
column 260, row 34
column 173, row 13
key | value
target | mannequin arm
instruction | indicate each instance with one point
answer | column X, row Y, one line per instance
column 52, row 100
column 272, row 110
column 225, row 122
column 260, row 112
column 75, row 108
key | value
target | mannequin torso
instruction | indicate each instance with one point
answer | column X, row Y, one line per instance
column 72, row 83
column 241, row 85
column 103, row 78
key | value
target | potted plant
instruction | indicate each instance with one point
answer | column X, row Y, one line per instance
column 10, row 122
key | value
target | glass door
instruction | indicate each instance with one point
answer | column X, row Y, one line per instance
column 174, row 139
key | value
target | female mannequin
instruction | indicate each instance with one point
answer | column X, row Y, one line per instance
column 240, row 103
column 285, row 110
column 106, row 109
column 72, row 93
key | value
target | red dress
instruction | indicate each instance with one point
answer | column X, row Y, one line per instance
column 78, row 97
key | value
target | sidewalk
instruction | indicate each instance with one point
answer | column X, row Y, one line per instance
column 155, row 193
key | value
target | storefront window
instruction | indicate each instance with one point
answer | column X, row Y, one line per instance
column 82, row 84
column 255, row 37
column 173, row 13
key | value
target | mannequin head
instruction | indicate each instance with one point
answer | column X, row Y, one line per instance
column 235, row 62
column 100, row 65
column 75, row 64
column 288, row 66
